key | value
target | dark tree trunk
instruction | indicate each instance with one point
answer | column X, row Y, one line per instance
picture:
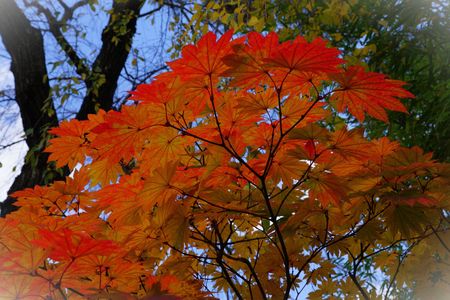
column 26, row 48
column 116, row 45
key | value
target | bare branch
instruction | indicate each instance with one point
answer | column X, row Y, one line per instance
column 11, row 144
column 55, row 28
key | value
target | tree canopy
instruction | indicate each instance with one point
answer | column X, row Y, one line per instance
column 68, row 46
column 260, row 151
column 230, row 174
column 407, row 40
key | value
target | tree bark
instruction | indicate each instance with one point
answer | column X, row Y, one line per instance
column 25, row 45
column 117, row 38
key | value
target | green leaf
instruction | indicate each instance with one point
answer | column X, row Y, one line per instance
column 64, row 98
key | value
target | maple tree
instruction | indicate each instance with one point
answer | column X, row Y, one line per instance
column 232, row 173
column 390, row 37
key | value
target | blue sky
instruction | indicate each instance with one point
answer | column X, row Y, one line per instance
column 11, row 131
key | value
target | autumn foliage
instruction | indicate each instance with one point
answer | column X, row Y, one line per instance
column 234, row 173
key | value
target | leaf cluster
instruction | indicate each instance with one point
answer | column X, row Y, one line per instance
column 233, row 173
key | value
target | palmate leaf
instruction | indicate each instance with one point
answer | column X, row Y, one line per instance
column 407, row 164
column 287, row 169
column 106, row 272
column 165, row 146
column 326, row 188
column 122, row 135
column 72, row 145
column 104, row 173
column 223, row 175
column 171, row 220
column 170, row 287
column 406, row 220
column 261, row 136
column 382, row 148
column 158, row 187
column 367, row 92
column 264, row 60
column 412, row 198
column 39, row 196
column 66, row 245
column 162, row 90
column 204, row 59
column 23, row 287
column 349, row 144
column 17, row 253
column 257, row 103
column 246, row 63
column 294, row 109
column 59, row 197
column 301, row 56
column 74, row 140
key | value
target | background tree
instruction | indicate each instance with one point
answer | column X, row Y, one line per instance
column 62, row 70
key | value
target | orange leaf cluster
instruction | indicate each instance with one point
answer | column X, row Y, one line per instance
column 227, row 163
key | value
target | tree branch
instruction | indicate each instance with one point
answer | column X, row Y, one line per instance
column 55, row 28
column 358, row 285
column 117, row 38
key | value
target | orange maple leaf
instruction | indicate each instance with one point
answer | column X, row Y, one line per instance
column 66, row 244
column 204, row 59
column 370, row 92
column 72, row 145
